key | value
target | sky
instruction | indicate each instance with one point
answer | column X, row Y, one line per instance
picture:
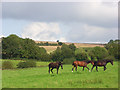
column 79, row 22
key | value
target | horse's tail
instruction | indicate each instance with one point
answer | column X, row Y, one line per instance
column 49, row 65
column 73, row 63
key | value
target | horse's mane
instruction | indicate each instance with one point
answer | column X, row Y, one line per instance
column 107, row 60
column 87, row 61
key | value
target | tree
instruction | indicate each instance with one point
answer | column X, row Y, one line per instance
column 57, row 55
column 16, row 47
column 99, row 52
column 11, row 46
column 113, row 48
column 80, row 54
column 72, row 46
column 60, row 43
column 66, row 51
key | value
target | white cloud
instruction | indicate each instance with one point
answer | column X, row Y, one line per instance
column 77, row 32
column 2, row 36
column 43, row 31
column 87, row 33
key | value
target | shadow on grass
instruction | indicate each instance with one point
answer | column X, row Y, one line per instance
column 52, row 75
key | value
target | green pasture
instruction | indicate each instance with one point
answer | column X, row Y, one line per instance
column 40, row 78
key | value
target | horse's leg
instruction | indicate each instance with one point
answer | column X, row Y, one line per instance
column 96, row 69
column 72, row 68
column 83, row 68
column 88, row 68
column 92, row 68
column 51, row 70
column 57, row 70
column 104, row 68
column 76, row 68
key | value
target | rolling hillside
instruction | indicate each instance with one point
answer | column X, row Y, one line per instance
column 78, row 45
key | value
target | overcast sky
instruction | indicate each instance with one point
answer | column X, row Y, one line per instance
column 65, row 21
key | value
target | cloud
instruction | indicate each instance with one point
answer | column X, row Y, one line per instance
column 77, row 32
column 66, row 21
column 43, row 31
column 93, row 13
column 87, row 33
column 2, row 36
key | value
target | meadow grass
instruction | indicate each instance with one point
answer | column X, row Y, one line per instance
column 40, row 78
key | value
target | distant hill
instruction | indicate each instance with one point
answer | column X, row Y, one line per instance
column 78, row 45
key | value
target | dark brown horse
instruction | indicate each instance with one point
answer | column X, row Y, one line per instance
column 81, row 64
column 101, row 63
column 55, row 65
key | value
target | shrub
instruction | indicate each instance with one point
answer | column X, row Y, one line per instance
column 31, row 63
column 69, row 60
column 26, row 64
column 22, row 65
column 7, row 65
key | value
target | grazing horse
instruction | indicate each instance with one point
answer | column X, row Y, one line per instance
column 81, row 64
column 101, row 63
column 55, row 65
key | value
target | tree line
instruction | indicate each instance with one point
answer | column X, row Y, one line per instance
column 14, row 47
column 49, row 44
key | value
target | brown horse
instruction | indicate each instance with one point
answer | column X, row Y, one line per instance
column 81, row 64
column 55, row 65
column 101, row 63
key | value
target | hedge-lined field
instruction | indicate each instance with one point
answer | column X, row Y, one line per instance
column 15, row 62
column 40, row 78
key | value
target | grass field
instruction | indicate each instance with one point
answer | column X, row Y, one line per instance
column 40, row 78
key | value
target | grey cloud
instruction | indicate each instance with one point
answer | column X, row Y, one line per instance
column 97, row 14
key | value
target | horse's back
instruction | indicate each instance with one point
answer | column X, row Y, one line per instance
column 79, row 63
column 53, row 65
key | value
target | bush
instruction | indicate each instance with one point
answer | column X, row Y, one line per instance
column 31, row 63
column 21, row 65
column 7, row 65
column 26, row 64
column 69, row 60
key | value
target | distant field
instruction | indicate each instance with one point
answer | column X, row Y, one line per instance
column 50, row 48
column 78, row 45
column 40, row 78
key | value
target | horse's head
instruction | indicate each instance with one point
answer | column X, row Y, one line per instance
column 111, row 61
column 60, row 64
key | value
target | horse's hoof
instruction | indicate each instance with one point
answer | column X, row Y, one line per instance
column 89, row 71
column 72, row 71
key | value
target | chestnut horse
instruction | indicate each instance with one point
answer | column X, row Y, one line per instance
column 101, row 63
column 81, row 64
column 55, row 65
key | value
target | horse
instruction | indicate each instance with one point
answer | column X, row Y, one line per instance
column 81, row 64
column 101, row 63
column 55, row 65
